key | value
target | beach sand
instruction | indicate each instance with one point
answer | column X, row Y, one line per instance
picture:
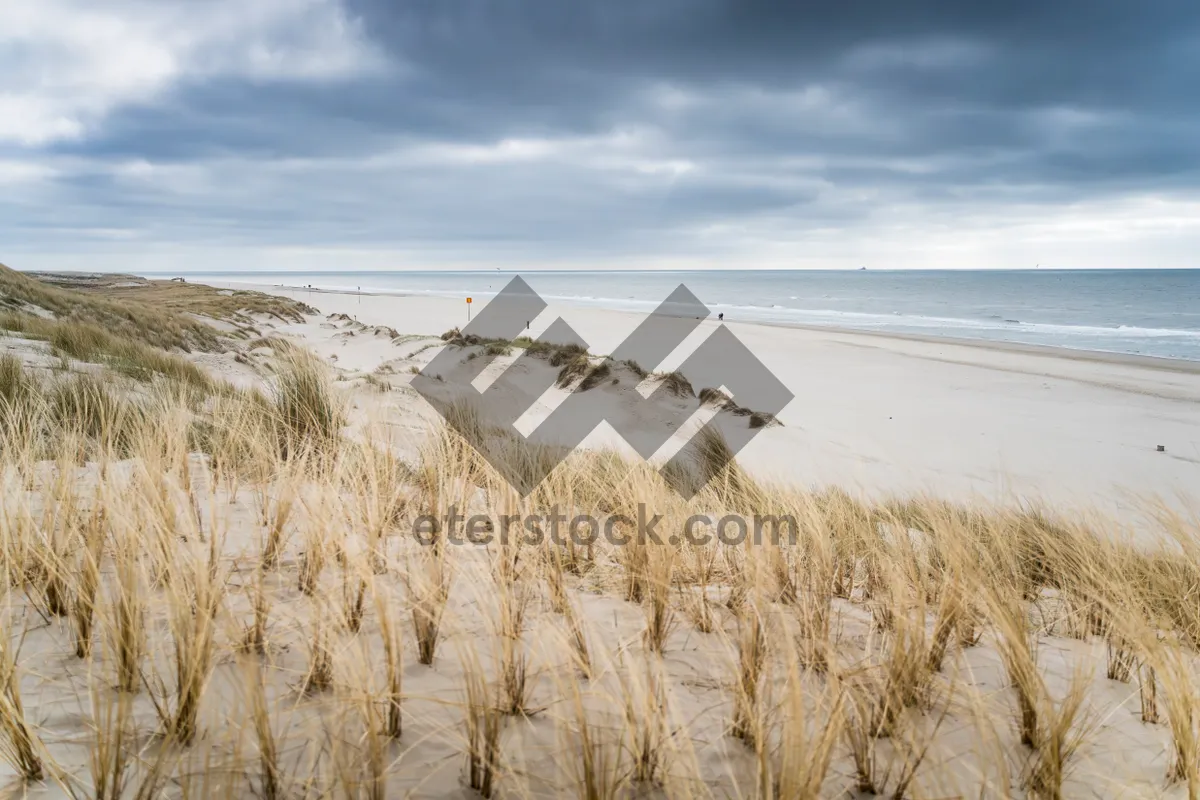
column 891, row 414
column 872, row 414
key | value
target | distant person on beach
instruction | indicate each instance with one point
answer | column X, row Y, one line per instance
column 721, row 316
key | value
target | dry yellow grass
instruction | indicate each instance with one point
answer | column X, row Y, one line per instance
column 231, row 597
column 154, row 312
column 135, row 327
column 134, row 322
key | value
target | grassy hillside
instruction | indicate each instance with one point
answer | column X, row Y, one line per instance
column 165, row 328
column 235, row 306
column 134, row 326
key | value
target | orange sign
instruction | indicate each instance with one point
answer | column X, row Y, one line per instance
column 468, row 299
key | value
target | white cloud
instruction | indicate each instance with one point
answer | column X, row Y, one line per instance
column 66, row 64
column 504, row 152
column 23, row 172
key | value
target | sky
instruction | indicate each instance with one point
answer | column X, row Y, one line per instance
column 205, row 135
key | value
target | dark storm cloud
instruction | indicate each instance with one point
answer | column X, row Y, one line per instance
column 645, row 119
column 936, row 75
column 1090, row 50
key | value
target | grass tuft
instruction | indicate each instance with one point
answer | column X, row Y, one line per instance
column 309, row 416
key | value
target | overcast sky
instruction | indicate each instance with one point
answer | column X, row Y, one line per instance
column 358, row 134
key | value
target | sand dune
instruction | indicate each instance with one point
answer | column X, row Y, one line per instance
column 221, row 592
column 895, row 414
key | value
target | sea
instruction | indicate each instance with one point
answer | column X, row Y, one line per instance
column 1138, row 311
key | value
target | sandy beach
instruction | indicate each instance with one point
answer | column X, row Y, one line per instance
column 896, row 414
column 531, row 400
column 228, row 539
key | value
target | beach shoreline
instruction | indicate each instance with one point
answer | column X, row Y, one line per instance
column 1050, row 351
column 883, row 413
column 264, row 496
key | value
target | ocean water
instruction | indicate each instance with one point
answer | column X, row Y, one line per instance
column 1145, row 312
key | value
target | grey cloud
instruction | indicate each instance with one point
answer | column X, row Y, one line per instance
column 770, row 115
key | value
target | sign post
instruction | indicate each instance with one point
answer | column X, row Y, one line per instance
column 468, row 311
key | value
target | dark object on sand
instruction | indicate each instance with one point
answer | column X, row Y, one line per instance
column 1162, row 448
column 721, row 316
column 761, row 419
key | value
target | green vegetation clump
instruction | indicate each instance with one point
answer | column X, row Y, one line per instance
column 15, row 383
column 106, row 410
column 572, row 370
column 677, row 384
column 723, row 402
column 457, row 339
column 716, row 397
column 88, row 342
column 595, row 376
column 497, row 349
column 558, row 354
column 377, row 383
column 134, row 325
column 157, row 327
column 635, row 368
column 90, row 407
column 491, row 347
column 761, row 419
column 162, row 314
column 571, row 359
column 232, row 305
column 100, row 414
column 276, row 343
column 308, row 414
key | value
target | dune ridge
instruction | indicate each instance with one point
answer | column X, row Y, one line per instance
column 216, row 588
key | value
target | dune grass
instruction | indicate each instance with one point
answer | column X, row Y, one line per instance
column 138, row 341
column 153, row 326
column 15, row 383
column 107, row 292
column 300, row 416
column 234, row 590
column 676, row 383
column 133, row 326
column 195, row 298
column 86, row 341
column 307, row 413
